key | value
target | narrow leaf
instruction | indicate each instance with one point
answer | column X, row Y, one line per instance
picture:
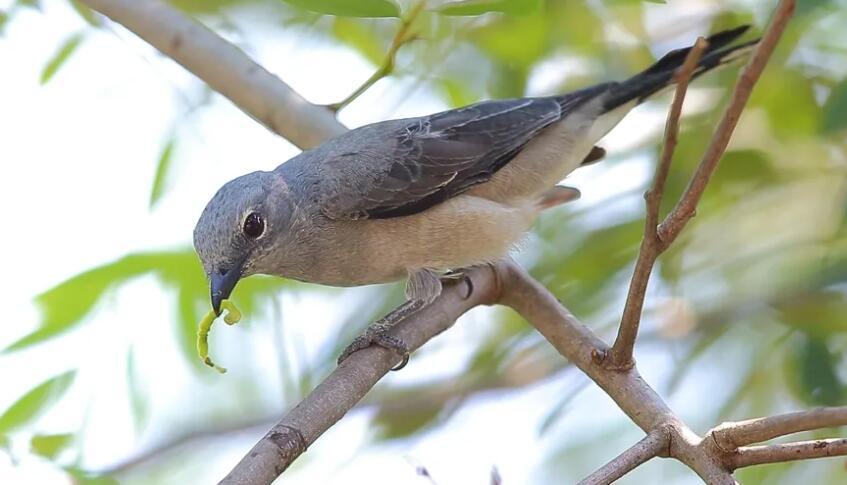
column 86, row 13
column 835, row 109
column 35, row 402
column 59, row 59
column 137, row 396
column 64, row 306
column 162, row 169
column 349, row 8
column 50, row 445
column 479, row 7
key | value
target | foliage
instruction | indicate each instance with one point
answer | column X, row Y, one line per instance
column 764, row 262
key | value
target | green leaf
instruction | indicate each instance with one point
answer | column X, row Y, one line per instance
column 4, row 19
column 50, row 445
column 497, row 40
column 86, row 14
column 82, row 477
column 59, row 59
column 65, row 305
column 353, row 33
column 457, row 92
column 35, row 402
column 835, row 109
column 162, row 169
column 29, row 3
column 792, row 116
column 137, row 396
column 808, row 6
column 812, row 369
column 479, row 7
column 350, row 8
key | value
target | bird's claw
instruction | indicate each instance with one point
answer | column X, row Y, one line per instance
column 377, row 334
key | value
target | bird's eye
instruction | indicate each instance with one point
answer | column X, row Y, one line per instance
column 254, row 225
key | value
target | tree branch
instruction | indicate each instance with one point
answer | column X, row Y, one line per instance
column 225, row 68
column 685, row 208
column 652, row 246
column 344, row 387
column 350, row 381
column 803, row 450
column 649, row 447
column 262, row 95
column 729, row 436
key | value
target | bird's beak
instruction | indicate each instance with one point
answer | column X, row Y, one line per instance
column 222, row 283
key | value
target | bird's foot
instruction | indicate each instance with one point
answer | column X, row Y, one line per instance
column 378, row 334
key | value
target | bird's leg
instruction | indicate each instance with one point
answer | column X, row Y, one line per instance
column 422, row 287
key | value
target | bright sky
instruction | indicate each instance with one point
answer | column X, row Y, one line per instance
column 79, row 157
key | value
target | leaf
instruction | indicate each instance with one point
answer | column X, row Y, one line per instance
column 35, row 402
column 59, row 59
column 497, row 40
column 835, row 109
column 479, row 7
column 4, row 19
column 162, row 169
column 50, row 445
column 82, row 477
column 353, row 33
column 86, row 14
column 137, row 396
column 65, row 305
column 812, row 368
column 808, row 6
column 792, row 116
column 350, row 8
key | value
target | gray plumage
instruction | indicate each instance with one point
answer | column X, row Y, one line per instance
column 417, row 196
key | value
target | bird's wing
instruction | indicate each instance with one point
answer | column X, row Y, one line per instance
column 437, row 157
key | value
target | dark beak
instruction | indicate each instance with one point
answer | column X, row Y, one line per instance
column 222, row 283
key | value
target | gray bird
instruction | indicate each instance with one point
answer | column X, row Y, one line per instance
column 412, row 198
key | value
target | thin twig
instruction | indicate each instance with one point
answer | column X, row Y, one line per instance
column 670, row 228
column 401, row 38
column 779, row 453
column 729, row 436
column 620, row 356
column 649, row 447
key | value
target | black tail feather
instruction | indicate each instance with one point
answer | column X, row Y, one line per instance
column 660, row 74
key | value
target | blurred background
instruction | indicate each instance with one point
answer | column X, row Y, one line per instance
column 110, row 151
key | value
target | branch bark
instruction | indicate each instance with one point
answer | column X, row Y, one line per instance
column 649, row 447
column 804, row 450
column 350, row 381
column 651, row 245
column 573, row 340
column 729, row 436
column 270, row 101
column 225, row 68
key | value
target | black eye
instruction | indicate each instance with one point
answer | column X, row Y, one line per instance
column 254, row 225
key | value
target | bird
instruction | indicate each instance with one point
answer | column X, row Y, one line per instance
column 415, row 198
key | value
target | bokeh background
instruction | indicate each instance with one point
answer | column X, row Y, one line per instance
column 110, row 151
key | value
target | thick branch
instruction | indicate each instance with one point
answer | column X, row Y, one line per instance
column 345, row 386
column 651, row 246
column 225, row 68
column 803, row 450
column 730, row 436
column 649, row 447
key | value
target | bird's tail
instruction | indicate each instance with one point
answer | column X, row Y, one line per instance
column 661, row 74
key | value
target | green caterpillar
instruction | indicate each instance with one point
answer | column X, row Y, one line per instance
column 233, row 315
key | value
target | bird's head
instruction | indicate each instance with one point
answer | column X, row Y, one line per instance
column 239, row 230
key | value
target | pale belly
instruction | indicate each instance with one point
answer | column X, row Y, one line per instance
column 461, row 232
